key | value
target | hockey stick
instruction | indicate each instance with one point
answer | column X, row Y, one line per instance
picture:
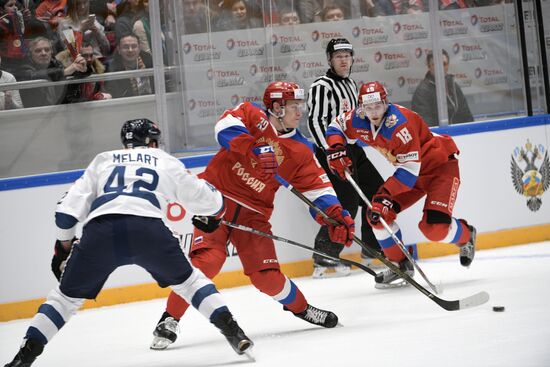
column 455, row 305
column 392, row 234
column 294, row 243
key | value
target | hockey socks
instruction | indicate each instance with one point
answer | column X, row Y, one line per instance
column 283, row 290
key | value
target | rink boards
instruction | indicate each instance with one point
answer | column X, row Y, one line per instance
column 487, row 198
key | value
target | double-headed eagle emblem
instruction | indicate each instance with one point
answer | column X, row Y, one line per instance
column 532, row 181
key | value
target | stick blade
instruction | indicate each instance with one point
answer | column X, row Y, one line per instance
column 462, row 304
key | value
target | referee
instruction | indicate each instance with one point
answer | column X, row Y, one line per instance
column 329, row 96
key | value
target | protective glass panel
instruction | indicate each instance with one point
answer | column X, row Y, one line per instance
column 212, row 55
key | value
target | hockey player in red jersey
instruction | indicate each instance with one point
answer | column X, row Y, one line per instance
column 256, row 145
column 426, row 165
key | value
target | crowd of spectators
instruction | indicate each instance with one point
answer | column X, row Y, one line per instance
column 242, row 14
column 59, row 39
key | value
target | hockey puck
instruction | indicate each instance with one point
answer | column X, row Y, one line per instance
column 498, row 308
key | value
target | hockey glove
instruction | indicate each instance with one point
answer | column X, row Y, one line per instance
column 338, row 160
column 60, row 256
column 206, row 223
column 266, row 161
column 382, row 207
column 344, row 231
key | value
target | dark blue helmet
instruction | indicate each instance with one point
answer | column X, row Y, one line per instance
column 139, row 132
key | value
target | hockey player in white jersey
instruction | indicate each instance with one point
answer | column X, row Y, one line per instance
column 121, row 199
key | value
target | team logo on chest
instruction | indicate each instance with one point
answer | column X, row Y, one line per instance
column 391, row 121
column 532, row 181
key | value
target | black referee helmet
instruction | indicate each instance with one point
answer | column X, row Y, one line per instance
column 338, row 44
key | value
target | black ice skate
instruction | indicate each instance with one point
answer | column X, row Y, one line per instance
column 328, row 268
column 233, row 333
column 468, row 250
column 388, row 279
column 165, row 332
column 27, row 354
column 317, row 316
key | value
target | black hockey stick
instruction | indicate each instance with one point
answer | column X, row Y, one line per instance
column 471, row 301
column 294, row 243
column 396, row 239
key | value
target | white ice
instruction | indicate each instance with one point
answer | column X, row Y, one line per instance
column 399, row 327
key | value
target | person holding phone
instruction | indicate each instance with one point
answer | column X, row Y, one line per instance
column 80, row 20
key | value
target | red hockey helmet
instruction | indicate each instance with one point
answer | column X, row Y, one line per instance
column 282, row 92
column 372, row 92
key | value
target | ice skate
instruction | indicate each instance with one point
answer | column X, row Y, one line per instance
column 317, row 316
column 327, row 268
column 165, row 332
column 388, row 279
column 27, row 354
column 324, row 267
column 240, row 343
column 468, row 250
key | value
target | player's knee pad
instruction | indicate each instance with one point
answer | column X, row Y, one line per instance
column 208, row 260
column 269, row 281
column 435, row 225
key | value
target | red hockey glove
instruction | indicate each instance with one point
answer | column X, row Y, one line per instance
column 266, row 161
column 338, row 160
column 382, row 207
column 344, row 231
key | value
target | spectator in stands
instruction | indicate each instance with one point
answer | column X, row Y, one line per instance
column 88, row 91
column 307, row 9
column 410, row 6
column 454, row 4
column 105, row 12
column 41, row 65
column 142, row 28
column 51, row 11
column 128, row 11
column 80, row 20
column 236, row 14
column 424, row 100
column 288, row 16
column 129, row 57
column 9, row 99
column 376, row 8
column 195, row 15
column 13, row 22
column 332, row 13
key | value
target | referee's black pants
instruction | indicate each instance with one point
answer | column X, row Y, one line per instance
column 369, row 180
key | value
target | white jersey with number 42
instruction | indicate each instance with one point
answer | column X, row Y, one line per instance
column 140, row 181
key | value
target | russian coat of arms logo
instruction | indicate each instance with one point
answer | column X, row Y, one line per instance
column 530, row 169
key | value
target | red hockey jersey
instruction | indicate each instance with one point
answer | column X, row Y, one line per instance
column 403, row 138
column 232, row 169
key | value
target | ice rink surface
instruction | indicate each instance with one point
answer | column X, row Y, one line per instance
column 399, row 327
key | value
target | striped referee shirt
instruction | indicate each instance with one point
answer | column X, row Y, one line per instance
column 328, row 97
